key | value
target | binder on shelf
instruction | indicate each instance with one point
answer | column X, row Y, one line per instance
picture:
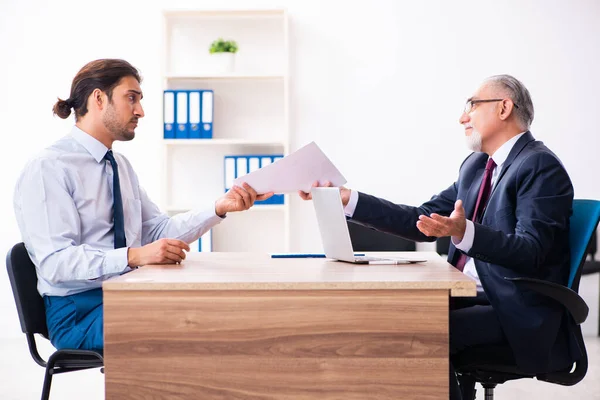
column 264, row 161
column 276, row 199
column 241, row 166
column 205, row 242
column 253, row 163
column 229, row 172
column 207, row 106
column 182, row 111
column 195, row 108
column 169, row 114
column 236, row 166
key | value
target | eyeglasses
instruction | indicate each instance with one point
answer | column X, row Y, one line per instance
column 470, row 103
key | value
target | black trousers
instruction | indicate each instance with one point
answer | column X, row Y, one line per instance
column 473, row 322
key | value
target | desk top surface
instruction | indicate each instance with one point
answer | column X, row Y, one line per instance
column 258, row 271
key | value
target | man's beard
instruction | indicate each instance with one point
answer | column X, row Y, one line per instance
column 474, row 140
column 112, row 124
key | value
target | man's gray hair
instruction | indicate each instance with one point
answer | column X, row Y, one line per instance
column 519, row 94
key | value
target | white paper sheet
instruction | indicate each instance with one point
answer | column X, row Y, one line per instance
column 294, row 172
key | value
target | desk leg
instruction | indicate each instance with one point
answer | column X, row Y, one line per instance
column 290, row 345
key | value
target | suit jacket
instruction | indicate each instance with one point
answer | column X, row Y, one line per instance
column 524, row 231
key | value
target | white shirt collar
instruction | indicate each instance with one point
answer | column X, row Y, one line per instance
column 502, row 153
column 92, row 145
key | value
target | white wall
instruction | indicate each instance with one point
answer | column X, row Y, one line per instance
column 379, row 85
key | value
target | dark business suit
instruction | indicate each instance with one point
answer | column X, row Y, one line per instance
column 524, row 232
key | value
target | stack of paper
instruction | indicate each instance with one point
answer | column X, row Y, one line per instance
column 295, row 172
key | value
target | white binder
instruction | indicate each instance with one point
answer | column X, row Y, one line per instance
column 241, row 164
column 264, row 161
column 207, row 114
column 195, row 109
column 229, row 172
column 182, row 115
column 169, row 114
column 254, row 164
column 205, row 242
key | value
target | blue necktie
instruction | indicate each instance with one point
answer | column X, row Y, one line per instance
column 118, row 218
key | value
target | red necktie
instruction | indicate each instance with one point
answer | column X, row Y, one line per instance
column 482, row 198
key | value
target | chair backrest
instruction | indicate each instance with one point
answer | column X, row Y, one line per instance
column 593, row 247
column 367, row 239
column 23, row 279
column 586, row 214
column 442, row 245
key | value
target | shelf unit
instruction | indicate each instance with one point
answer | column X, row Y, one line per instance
column 251, row 116
column 214, row 75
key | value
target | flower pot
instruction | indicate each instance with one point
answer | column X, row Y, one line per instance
column 223, row 62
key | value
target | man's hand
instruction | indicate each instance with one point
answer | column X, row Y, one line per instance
column 438, row 226
column 163, row 251
column 238, row 199
column 344, row 192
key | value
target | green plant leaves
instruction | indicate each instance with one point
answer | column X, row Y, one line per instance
column 223, row 46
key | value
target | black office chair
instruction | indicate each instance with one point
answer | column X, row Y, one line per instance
column 367, row 239
column 32, row 315
column 592, row 266
column 493, row 365
column 442, row 245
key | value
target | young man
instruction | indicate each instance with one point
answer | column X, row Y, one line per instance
column 508, row 216
column 83, row 215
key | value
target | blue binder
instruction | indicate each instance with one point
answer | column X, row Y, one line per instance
column 276, row 199
column 205, row 242
column 229, row 168
column 207, row 105
column 169, row 114
column 195, row 109
column 181, row 114
column 236, row 166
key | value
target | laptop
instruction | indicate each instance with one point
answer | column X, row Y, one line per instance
column 334, row 230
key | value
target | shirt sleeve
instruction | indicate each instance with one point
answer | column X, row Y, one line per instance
column 467, row 241
column 51, row 228
column 351, row 206
column 187, row 227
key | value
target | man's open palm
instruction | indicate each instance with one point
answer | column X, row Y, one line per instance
column 438, row 226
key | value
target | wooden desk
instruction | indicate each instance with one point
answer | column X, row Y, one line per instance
column 245, row 326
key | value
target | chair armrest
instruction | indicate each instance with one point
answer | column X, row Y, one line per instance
column 565, row 296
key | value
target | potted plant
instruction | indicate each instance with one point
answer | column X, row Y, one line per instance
column 223, row 54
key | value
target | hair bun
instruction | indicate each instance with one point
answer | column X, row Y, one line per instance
column 62, row 108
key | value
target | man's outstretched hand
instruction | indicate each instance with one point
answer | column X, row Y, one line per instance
column 438, row 226
column 238, row 199
column 344, row 192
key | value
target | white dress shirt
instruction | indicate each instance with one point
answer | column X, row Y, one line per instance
column 465, row 245
column 64, row 207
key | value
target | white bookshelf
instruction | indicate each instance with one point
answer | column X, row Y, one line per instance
column 216, row 75
column 223, row 142
column 251, row 116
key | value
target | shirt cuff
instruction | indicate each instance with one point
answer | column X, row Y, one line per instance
column 115, row 261
column 467, row 241
column 214, row 213
column 213, row 218
column 351, row 206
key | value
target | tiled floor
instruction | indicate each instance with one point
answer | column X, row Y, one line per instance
column 21, row 378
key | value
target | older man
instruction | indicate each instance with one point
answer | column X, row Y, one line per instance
column 508, row 216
